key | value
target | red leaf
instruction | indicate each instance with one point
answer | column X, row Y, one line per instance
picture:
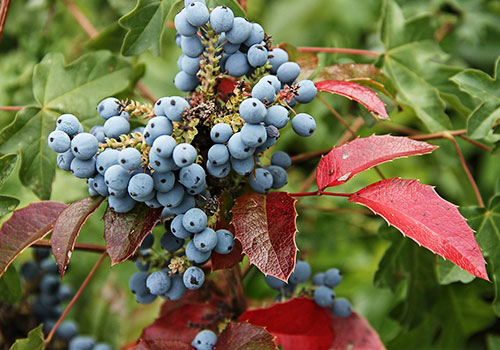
column 265, row 226
column 354, row 333
column 245, row 336
column 125, row 232
column 226, row 261
column 358, row 93
column 421, row 214
column 25, row 227
column 297, row 324
column 67, row 228
column 226, row 86
column 344, row 162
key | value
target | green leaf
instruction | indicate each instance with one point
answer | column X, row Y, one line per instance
column 232, row 4
column 145, row 25
column 486, row 89
column 486, row 222
column 448, row 273
column 493, row 342
column 409, row 47
column 7, row 205
column 75, row 88
column 10, row 286
column 7, row 165
column 33, row 342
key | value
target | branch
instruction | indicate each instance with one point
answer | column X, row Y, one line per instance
column 95, row 248
column 4, row 9
column 84, row 22
column 475, row 143
column 338, row 50
column 336, row 115
column 11, row 108
column 243, row 4
column 336, row 210
column 438, row 135
column 319, row 193
column 75, row 298
column 234, row 284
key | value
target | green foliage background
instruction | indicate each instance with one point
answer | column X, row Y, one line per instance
column 414, row 299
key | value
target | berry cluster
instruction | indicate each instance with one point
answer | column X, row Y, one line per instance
column 300, row 274
column 324, row 295
column 205, row 340
column 87, row 343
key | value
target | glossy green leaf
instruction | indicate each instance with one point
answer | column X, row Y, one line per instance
column 448, row 273
column 10, row 286
column 33, row 342
column 409, row 46
column 7, row 165
column 145, row 25
column 58, row 88
column 232, row 4
column 8, row 205
column 486, row 89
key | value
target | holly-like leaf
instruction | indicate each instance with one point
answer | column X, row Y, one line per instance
column 7, row 165
column 67, row 228
column 354, row 332
column 33, row 342
column 145, row 25
column 11, row 290
column 421, row 214
column 58, row 89
column 410, row 47
column 265, row 226
column 364, row 74
column 486, row 89
column 245, row 336
column 7, row 204
column 25, row 227
column 358, row 93
column 297, row 324
column 344, row 162
column 125, row 232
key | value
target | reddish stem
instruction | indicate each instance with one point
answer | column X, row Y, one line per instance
column 75, row 298
column 338, row 50
column 336, row 115
column 475, row 143
column 83, row 21
column 11, row 108
column 4, row 9
column 95, row 248
column 319, row 193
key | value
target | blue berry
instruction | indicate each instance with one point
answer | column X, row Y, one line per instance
column 197, row 14
column 192, row 176
column 253, row 111
column 275, row 283
column 140, row 185
column 81, row 343
column 253, row 135
column 218, row 171
column 171, row 243
column 30, row 270
column 301, row 273
column 240, row 31
column 106, row 159
column 65, row 293
column 99, row 185
column 324, row 296
column 184, row 154
column 281, row 159
column 69, row 124
column 342, row 308
column 257, row 55
column 195, row 220
column 193, row 278
column 307, row 91
column 221, row 132
column 116, row 126
column 145, row 299
column 161, row 164
column 153, row 203
column 273, row 80
column 177, row 288
column 158, row 106
column 205, row 240
column 288, row 72
column 238, row 149
column 228, row 47
column 236, row 64
column 137, row 283
column 158, row 283
column 84, row 146
column 163, row 182
column 221, row 19
column 256, row 35
column 183, row 26
column 116, row 177
column 130, row 158
column 64, row 160
column 278, row 116
column 195, row 255
column 109, row 107
column 190, row 65
column 187, row 203
column 157, row 127
column 188, row 2
column 83, row 168
column 98, row 132
column 303, row 124
column 262, row 181
column 49, row 284
column 102, row 346
column 67, row 330
column 205, row 340
column 280, row 177
column 243, row 166
column 333, row 277
column 218, row 154
column 59, row 141
column 178, row 229
column 121, row 204
column 225, row 242
column 186, row 82
column 142, row 265
column 277, row 57
column 192, row 46
column 171, row 198
column 147, row 243
column 264, row 92
column 319, row 279
column 164, row 146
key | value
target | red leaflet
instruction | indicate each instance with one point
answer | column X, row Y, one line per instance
column 352, row 158
column 25, row 227
column 419, row 213
column 125, row 232
column 354, row 333
column 245, row 336
column 265, row 226
column 226, row 261
column 297, row 324
column 67, row 228
column 356, row 92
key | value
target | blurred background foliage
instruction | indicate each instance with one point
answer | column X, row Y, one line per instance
column 414, row 299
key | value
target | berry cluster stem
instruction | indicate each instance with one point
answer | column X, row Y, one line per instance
column 209, row 65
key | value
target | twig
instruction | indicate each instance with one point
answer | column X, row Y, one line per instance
column 95, row 248
column 11, row 108
column 475, row 143
column 86, row 25
column 4, row 9
column 319, row 193
column 336, row 115
column 379, row 172
column 243, row 4
column 235, row 288
column 467, row 171
column 335, row 210
column 145, row 92
column 338, row 50
column 438, row 135
column 75, row 298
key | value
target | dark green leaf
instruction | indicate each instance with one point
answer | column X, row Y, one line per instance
column 7, row 165
column 493, row 342
column 76, row 89
column 232, row 4
column 7, row 204
column 10, row 286
column 33, row 342
column 448, row 273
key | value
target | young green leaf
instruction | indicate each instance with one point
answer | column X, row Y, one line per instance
column 10, row 286
column 33, row 342
column 7, row 205
column 7, row 165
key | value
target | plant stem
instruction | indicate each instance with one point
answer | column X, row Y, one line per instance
column 336, row 115
column 379, row 172
column 235, row 288
column 75, row 298
column 243, row 4
column 338, row 50
column 4, row 9
column 95, row 248
column 438, row 135
column 319, row 193
column 11, row 108
column 467, row 171
column 475, row 143
column 336, row 210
